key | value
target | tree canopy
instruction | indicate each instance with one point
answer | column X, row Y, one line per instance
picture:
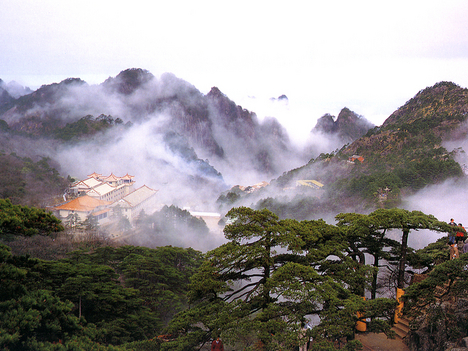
column 111, row 296
column 257, row 291
column 28, row 221
column 269, row 280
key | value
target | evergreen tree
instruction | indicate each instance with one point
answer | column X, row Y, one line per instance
column 406, row 221
column 24, row 220
column 365, row 237
column 268, row 280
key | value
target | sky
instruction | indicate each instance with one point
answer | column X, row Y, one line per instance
column 369, row 56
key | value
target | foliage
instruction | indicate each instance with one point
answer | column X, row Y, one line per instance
column 430, row 256
column 367, row 239
column 85, row 127
column 271, row 277
column 406, row 221
column 299, row 207
column 268, row 279
column 110, row 296
column 25, row 181
column 24, row 220
column 436, row 303
column 160, row 276
column 172, row 225
column 34, row 318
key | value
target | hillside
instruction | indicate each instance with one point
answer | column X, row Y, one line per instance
column 190, row 145
column 167, row 130
column 196, row 147
column 404, row 155
column 434, row 115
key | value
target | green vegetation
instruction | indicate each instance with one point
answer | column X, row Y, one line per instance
column 111, row 296
column 278, row 268
column 404, row 155
column 169, row 226
column 85, row 127
column 28, row 182
column 271, row 277
column 24, row 220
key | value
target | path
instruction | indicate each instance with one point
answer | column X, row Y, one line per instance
column 380, row 342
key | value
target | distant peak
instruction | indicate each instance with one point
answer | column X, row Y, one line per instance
column 127, row 81
column 283, row 97
column 215, row 92
column 432, row 101
column 69, row 81
column 349, row 126
column 135, row 72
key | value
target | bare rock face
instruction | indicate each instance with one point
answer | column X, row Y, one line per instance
column 126, row 82
column 442, row 328
column 348, row 126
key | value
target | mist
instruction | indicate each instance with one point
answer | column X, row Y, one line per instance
column 187, row 145
column 446, row 200
column 192, row 147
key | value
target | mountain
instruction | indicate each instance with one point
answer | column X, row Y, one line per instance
column 433, row 116
column 348, row 126
column 162, row 128
column 419, row 145
column 5, row 97
column 10, row 91
column 128, row 81
column 194, row 146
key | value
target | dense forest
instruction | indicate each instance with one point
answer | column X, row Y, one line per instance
column 272, row 277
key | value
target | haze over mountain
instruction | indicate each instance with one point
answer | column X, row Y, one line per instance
column 165, row 132
column 195, row 147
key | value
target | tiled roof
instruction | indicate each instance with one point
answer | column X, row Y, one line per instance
column 82, row 204
column 111, row 178
column 311, row 183
column 91, row 182
column 95, row 175
column 103, row 189
column 138, row 196
column 101, row 212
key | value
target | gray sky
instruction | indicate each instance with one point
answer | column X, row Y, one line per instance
column 370, row 56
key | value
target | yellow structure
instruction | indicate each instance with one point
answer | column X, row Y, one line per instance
column 360, row 325
column 310, row 183
column 399, row 308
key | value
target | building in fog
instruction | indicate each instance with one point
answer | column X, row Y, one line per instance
column 84, row 206
column 106, row 198
column 110, row 188
column 140, row 199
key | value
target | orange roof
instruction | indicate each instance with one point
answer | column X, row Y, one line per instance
column 82, row 204
column 127, row 176
column 101, row 212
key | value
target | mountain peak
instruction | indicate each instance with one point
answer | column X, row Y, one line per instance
column 215, row 93
column 349, row 126
column 129, row 80
column 445, row 98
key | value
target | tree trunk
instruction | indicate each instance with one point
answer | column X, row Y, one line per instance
column 374, row 278
column 401, row 269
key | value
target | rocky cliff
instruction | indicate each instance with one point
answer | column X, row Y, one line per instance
column 348, row 126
